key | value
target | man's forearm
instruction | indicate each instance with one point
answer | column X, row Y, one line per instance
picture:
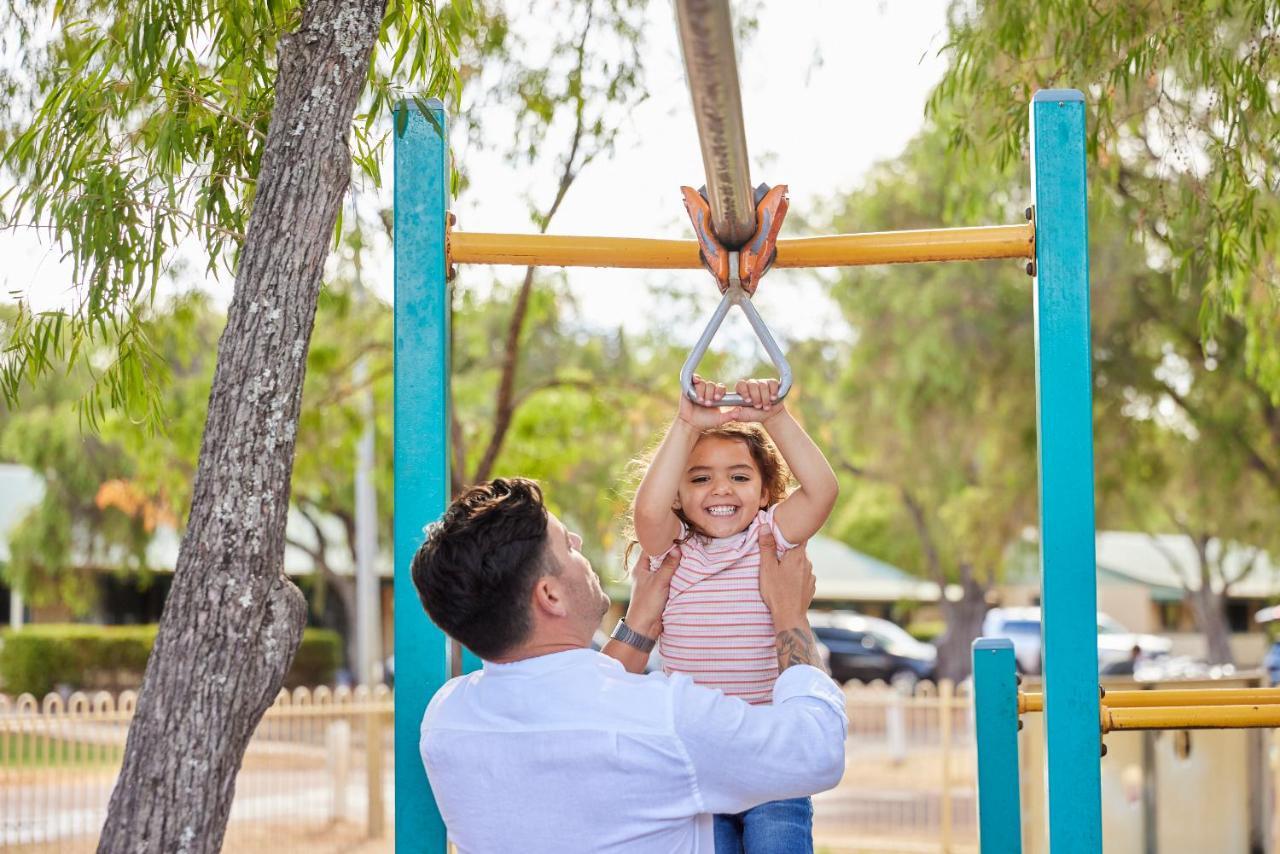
column 797, row 646
column 628, row 656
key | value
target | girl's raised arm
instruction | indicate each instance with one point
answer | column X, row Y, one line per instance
column 657, row 526
column 802, row 513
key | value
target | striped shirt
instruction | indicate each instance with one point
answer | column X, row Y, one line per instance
column 716, row 628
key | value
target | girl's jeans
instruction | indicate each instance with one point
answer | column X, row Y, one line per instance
column 776, row 827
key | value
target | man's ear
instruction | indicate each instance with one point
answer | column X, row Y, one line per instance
column 549, row 596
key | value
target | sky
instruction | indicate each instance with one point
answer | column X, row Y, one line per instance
column 829, row 87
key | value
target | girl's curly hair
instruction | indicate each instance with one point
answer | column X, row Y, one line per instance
column 764, row 453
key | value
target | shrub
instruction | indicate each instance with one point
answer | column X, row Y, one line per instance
column 38, row 659
column 927, row 631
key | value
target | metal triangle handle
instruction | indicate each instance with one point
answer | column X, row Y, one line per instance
column 735, row 296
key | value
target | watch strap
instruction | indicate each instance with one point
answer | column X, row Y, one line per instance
column 629, row 636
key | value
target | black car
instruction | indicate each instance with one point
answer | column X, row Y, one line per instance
column 867, row 648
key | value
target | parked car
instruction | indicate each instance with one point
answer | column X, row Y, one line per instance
column 1272, row 662
column 1022, row 626
column 868, row 648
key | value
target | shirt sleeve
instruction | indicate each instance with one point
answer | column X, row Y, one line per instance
column 743, row 755
column 784, row 545
column 655, row 561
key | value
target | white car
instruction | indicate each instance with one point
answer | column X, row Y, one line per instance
column 1022, row 626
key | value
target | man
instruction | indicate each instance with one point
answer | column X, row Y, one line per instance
column 556, row 748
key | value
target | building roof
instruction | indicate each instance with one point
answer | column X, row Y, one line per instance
column 844, row 573
column 1167, row 561
column 21, row 489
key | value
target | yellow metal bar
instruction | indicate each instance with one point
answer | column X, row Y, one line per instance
column 1169, row 698
column 1190, row 717
column 903, row 247
column 841, row 250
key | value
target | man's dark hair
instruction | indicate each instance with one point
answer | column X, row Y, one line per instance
column 477, row 568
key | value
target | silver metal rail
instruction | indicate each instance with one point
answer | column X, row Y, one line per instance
column 706, row 41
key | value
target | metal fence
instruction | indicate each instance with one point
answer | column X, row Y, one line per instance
column 910, row 772
column 311, row 782
column 308, row 781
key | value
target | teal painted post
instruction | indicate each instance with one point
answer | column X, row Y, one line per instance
column 1065, row 424
column 995, row 713
column 421, row 445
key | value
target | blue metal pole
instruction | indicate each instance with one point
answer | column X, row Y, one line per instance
column 421, row 445
column 1065, row 424
column 995, row 713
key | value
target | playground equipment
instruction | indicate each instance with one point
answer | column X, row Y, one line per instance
column 1053, row 241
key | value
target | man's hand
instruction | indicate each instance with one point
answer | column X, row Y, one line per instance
column 787, row 587
column 649, row 591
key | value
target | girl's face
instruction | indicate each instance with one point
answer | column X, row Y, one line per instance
column 721, row 490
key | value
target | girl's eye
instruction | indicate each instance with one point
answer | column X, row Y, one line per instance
column 700, row 478
column 741, row 478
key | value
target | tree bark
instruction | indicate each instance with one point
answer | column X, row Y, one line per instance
column 1209, row 609
column 964, row 624
column 232, row 621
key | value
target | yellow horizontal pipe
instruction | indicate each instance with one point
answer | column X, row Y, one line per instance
column 1169, row 698
column 1190, row 717
column 841, row 250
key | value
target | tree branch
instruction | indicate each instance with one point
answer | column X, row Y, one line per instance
column 505, row 406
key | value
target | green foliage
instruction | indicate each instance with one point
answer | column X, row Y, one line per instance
column 317, row 659
column 1183, row 130
column 37, row 659
column 926, row 631
column 927, row 410
column 136, row 127
column 75, row 526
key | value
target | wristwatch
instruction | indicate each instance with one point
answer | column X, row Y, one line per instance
column 629, row 636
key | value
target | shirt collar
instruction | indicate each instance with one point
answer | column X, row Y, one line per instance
column 549, row 663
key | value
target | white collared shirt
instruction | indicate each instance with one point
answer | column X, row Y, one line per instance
column 570, row 753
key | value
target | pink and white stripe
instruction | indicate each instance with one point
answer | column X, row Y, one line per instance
column 716, row 628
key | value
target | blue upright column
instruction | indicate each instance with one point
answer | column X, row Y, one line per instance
column 421, row 444
column 995, row 714
column 1065, row 425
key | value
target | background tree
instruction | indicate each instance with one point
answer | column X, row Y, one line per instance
column 928, row 412
column 1184, row 169
column 1186, row 440
column 568, row 97
column 1183, row 127
column 138, row 126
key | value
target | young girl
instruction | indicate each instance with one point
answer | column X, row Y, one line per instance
column 718, row 477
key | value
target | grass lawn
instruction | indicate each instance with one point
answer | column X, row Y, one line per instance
column 28, row 750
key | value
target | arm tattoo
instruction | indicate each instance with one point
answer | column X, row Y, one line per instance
column 797, row 646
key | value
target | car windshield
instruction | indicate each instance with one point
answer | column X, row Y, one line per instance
column 890, row 635
column 1108, row 626
column 1023, row 626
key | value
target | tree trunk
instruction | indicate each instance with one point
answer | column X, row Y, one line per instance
column 1209, row 609
column 964, row 625
column 232, row 621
